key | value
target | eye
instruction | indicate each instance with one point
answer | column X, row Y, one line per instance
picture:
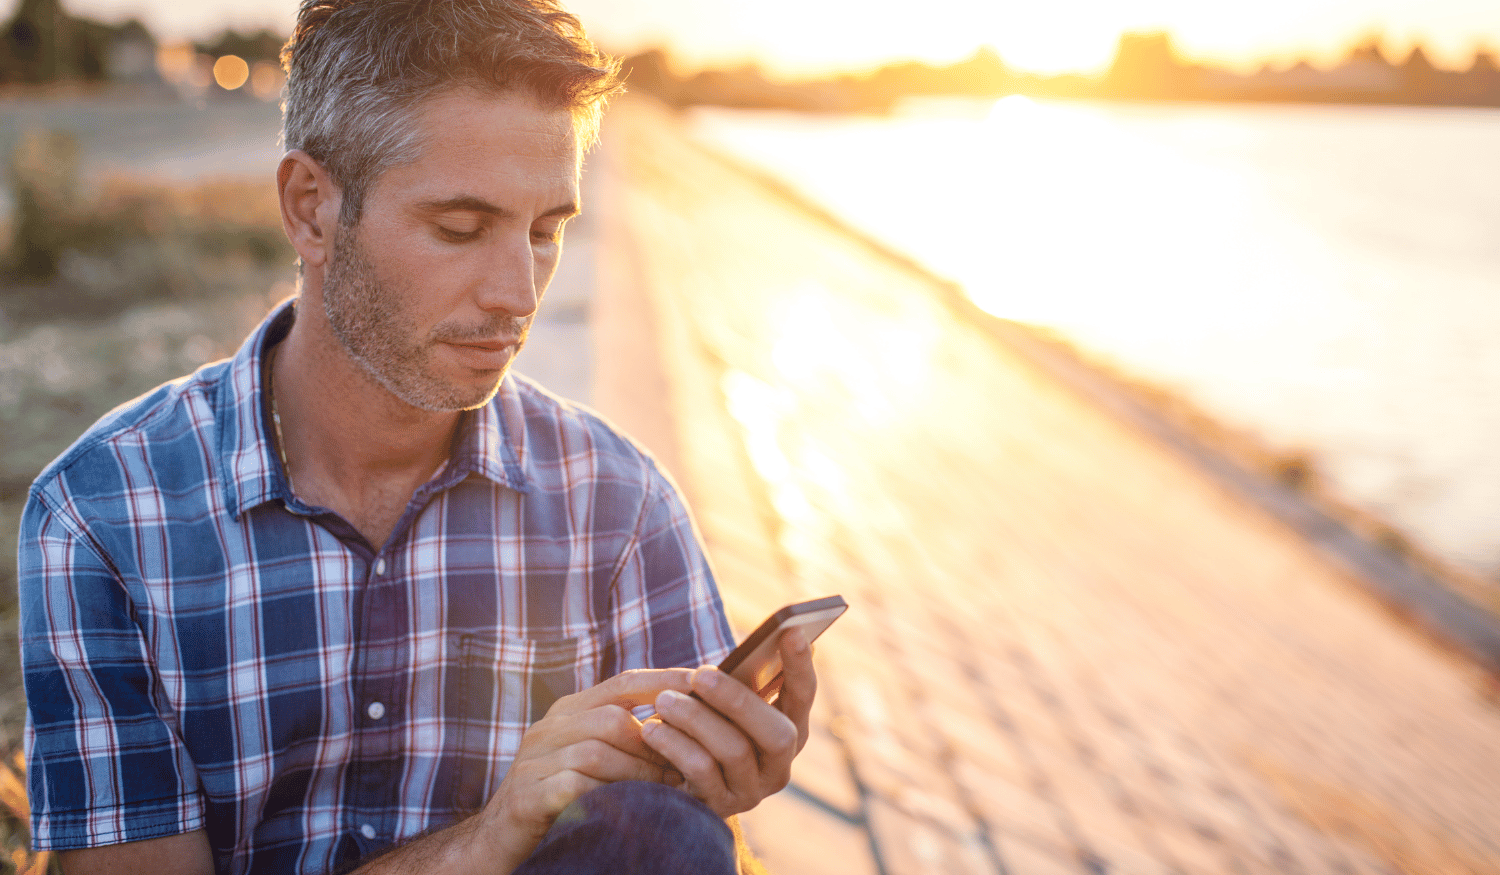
column 548, row 233
column 459, row 235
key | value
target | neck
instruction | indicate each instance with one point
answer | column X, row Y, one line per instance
column 348, row 444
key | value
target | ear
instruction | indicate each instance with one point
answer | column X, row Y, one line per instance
column 310, row 204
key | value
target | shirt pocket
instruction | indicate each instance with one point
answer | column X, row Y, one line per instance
column 505, row 684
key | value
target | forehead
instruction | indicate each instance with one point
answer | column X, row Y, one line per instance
column 503, row 147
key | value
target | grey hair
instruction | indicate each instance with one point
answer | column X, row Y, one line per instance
column 358, row 70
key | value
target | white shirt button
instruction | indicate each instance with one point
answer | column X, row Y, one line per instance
column 376, row 710
column 379, row 567
column 367, row 831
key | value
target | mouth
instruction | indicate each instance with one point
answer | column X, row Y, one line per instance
column 490, row 345
column 485, row 355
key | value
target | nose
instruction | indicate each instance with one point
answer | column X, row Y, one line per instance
column 513, row 280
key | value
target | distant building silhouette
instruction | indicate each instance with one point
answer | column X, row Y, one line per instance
column 43, row 44
column 1146, row 65
column 262, row 45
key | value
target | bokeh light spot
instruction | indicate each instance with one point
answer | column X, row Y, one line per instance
column 231, row 71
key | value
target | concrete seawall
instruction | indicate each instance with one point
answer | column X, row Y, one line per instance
column 1069, row 650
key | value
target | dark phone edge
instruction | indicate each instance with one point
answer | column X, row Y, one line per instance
column 773, row 622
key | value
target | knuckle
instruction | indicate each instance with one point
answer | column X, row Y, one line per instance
column 698, row 764
column 617, row 722
column 587, row 756
column 738, row 749
column 737, row 695
column 619, row 684
column 782, row 738
column 561, row 793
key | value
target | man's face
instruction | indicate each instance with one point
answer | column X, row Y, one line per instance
column 433, row 291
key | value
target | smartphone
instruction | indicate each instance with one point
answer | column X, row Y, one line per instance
column 756, row 663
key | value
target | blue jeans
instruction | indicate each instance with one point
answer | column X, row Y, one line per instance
column 634, row 826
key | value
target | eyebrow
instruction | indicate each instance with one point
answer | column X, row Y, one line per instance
column 470, row 203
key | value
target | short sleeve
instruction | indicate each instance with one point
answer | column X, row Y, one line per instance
column 668, row 612
column 105, row 764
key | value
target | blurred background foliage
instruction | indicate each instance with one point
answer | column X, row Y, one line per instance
column 109, row 286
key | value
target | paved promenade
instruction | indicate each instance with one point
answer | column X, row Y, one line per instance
column 1068, row 650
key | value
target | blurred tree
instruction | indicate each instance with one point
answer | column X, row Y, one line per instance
column 37, row 48
column 263, row 45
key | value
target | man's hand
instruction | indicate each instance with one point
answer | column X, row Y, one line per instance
column 586, row 740
column 736, row 750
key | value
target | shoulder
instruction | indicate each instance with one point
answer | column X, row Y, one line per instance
column 160, row 429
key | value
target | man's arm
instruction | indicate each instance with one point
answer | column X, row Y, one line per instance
column 186, row 854
column 89, row 699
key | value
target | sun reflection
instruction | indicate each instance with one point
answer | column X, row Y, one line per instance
column 760, row 409
column 1079, row 207
column 1011, row 105
column 877, row 360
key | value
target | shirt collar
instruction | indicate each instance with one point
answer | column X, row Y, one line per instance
column 491, row 440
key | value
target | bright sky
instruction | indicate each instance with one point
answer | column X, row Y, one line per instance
column 807, row 36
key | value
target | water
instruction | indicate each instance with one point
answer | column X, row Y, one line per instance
column 1326, row 277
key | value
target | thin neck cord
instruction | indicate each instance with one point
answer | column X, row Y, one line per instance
column 276, row 416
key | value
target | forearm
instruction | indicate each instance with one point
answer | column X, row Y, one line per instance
column 464, row 848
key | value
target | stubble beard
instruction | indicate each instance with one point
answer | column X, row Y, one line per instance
column 367, row 319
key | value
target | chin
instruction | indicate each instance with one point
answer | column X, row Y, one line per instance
column 445, row 396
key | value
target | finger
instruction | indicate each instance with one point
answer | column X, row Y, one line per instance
column 611, row 724
column 773, row 733
column 734, row 756
column 799, row 683
column 700, row 772
column 563, row 789
column 605, row 762
column 628, row 689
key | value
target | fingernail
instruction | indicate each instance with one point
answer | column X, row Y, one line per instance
column 648, row 729
column 668, row 699
column 708, row 678
column 799, row 641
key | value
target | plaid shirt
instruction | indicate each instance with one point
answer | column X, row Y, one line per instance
column 203, row 650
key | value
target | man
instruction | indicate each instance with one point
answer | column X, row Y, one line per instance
column 357, row 598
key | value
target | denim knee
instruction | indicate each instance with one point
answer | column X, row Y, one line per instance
column 635, row 826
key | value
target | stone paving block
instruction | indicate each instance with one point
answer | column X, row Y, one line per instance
column 1013, row 807
column 794, row 837
column 1192, row 853
column 1022, row 856
column 976, row 739
column 1132, row 859
column 911, row 846
column 1097, row 819
column 822, row 771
